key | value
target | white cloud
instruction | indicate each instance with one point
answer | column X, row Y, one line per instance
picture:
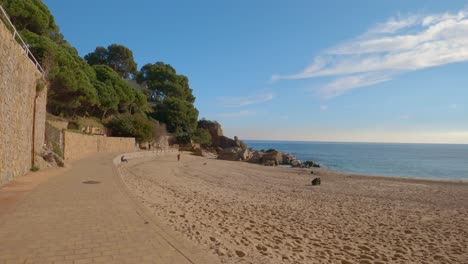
column 399, row 45
column 246, row 100
column 453, row 106
column 237, row 114
column 323, row 107
column 344, row 84
column 393, row 25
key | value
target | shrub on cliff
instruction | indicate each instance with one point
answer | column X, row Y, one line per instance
column 137, row 126
column 202, row 136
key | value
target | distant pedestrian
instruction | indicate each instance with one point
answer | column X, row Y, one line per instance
column 178, row 157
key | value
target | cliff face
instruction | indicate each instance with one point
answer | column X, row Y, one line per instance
column 215, row 130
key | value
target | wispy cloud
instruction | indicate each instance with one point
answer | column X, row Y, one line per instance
column 237, row 114
column 453, row 106
column 246, row 100
column 323, row 107
column 399, row 45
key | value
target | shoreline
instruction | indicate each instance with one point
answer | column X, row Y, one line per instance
column 246, row 213
column 409, row 178
column 326, row 168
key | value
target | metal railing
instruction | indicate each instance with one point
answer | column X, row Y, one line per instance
column 23, row 44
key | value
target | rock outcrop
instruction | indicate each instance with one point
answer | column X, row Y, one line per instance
column 215, row 130
column 225, row 142
column 273, row 157
column 47, row 158
column 234, row 154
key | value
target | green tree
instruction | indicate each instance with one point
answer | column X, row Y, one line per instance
column 164, row 81
column 179, row 116
column 172, row 97
column 137, row 126
column 118, row 57
column 71, row 89
column 31, row 15
column 202, row 136
column 119, row 94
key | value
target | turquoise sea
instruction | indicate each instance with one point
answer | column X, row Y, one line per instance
column 435, row 161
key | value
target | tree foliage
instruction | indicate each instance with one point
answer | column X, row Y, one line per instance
column 31, row 15
column 94, row 86
column 71, row 78
column 118, row 57
column 117, row 94
column 180, row 116
column 172, row 97
column 202, row 136
column 137, row 126
column 75, row 87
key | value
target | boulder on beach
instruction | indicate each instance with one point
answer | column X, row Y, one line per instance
column 225, row 142
column 273, row 156
column 255, row 157
column 234, row 154
column 316, row 181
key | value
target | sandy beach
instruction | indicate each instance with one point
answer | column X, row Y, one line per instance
column 246, row 213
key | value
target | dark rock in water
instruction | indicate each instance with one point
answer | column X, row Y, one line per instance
column 311, row 164
column 288, row 159
column 316, row 181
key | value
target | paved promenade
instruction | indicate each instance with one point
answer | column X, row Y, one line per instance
column 64, row 220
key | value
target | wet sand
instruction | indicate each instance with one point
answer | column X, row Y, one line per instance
column 247, row 213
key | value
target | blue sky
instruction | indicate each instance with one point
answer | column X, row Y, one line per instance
column 368, row 71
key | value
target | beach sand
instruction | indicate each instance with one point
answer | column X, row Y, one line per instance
column 247, row 213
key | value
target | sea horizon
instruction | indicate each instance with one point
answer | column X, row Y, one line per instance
column 408, row 160
column 348, row 142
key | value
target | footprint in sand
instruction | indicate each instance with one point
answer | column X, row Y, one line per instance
column 240, row 253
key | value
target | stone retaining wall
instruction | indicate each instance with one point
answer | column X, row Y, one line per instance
column 22, row 109
column 145, row 154
column 78, row 146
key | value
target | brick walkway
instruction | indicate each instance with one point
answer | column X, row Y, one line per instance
column 65, row 221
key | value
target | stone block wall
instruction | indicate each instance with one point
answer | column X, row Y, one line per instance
column 146, row 154
column 22, row 109
column 78, row 146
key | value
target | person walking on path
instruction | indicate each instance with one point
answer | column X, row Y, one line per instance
column 178, row 157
